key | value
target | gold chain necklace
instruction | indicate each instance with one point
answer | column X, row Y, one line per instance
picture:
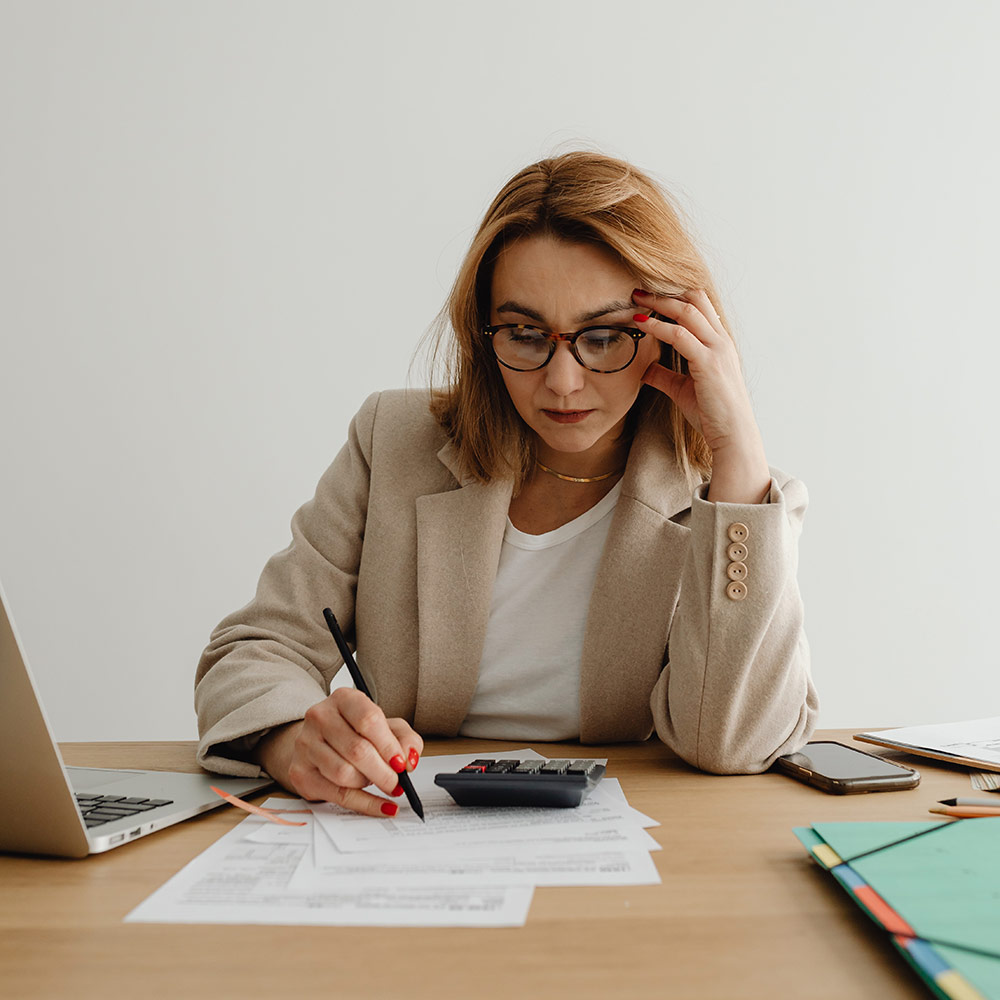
column 577, row 479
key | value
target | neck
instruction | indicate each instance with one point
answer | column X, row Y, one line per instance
column 595, row 462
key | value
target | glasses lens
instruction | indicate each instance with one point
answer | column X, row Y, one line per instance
column 521, row 347
column 605, row 349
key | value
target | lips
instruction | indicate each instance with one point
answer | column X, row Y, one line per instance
column 567, row 416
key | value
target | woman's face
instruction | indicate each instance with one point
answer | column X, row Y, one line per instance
column 561, row 287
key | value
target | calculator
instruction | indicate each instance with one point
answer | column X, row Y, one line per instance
column 491, row 782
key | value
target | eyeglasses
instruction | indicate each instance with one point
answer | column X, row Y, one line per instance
column 603, row 349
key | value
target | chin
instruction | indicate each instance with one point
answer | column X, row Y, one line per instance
column 570, row 441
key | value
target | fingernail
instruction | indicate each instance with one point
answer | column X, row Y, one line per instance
column 397, row 763
column 389, row 808
column 414, row 757
column 641, row 292
column 398, row 790
column 639, row 318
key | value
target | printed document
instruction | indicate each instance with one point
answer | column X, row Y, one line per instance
column 473, row 867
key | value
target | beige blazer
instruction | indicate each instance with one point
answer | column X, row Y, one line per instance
column 404, row 547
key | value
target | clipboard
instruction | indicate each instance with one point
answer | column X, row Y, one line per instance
column 947, row 758
column 949, row 742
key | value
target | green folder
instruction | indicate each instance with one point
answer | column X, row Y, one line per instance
column 934, row 886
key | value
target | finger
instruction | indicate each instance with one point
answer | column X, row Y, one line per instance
column 366, row 803
column 332, row 744
column 678, row 337
column 668, row 382
column 683, row 312
column 699, row 297
column 372, row 747
column 316, row 788
column 409, row 740
column 321, row 756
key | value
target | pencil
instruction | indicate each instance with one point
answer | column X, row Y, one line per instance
column 989, row 804
column 359, row 683
column 965, row 812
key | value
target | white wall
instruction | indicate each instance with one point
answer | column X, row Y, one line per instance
column 223, row 224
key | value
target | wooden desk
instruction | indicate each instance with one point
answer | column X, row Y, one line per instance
column 742, row 911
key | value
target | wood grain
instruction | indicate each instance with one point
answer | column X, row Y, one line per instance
column 741, row 914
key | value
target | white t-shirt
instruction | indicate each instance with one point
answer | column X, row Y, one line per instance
column 529, row 676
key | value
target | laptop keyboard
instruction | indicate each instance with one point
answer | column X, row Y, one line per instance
column 98, row 809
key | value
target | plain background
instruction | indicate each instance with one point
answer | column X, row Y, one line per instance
column 224, row 224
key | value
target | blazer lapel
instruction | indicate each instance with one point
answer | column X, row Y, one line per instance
column 459, row 535
column 637, row 587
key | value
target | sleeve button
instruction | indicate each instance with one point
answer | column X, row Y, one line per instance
column 738, row 532
column 738, row 552
column 736, row 571
column 736, row 591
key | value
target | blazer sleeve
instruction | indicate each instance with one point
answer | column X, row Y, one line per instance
column 267, row 663
column 736, row 691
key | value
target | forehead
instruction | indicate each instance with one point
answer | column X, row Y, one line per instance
column 559, row 279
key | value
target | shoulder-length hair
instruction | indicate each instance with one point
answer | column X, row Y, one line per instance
column 582, row 197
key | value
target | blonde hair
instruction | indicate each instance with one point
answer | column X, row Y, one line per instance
column 582, row 197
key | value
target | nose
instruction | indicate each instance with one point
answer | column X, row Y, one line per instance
column 564, row 375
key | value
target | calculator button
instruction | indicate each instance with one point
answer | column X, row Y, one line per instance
column 555, row 767
column 529, row 766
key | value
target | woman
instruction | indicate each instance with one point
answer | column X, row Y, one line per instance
column 578, row 538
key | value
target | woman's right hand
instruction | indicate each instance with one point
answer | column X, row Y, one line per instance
column 343, row 744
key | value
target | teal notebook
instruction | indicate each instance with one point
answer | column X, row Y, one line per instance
column 934, row 886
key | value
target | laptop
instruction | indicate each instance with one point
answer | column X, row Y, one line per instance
column 48, row 808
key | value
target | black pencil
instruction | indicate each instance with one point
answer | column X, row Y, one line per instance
column 359, row 683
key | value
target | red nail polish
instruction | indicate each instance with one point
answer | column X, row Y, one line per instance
column 641, row 292
column 389, row 808
column 414, row 757
column 398, row 790
column 397, row 763
column 640, row 318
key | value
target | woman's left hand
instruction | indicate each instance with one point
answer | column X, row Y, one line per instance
column 713, row 395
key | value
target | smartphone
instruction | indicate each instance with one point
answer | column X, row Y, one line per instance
column 842, row 770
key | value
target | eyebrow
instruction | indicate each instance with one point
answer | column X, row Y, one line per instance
column 510, row 306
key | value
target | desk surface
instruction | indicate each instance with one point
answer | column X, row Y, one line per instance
column 742, row 912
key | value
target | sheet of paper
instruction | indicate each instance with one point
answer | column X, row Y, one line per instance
column 241, row 881
column 448, row 824
column 464, row 867
column 613, row 788
column 985, row 781
column 978, row 739
column 262, row 831
column 494, row 863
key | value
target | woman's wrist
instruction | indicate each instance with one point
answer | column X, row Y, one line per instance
column 274, row 751
column 740, row 475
